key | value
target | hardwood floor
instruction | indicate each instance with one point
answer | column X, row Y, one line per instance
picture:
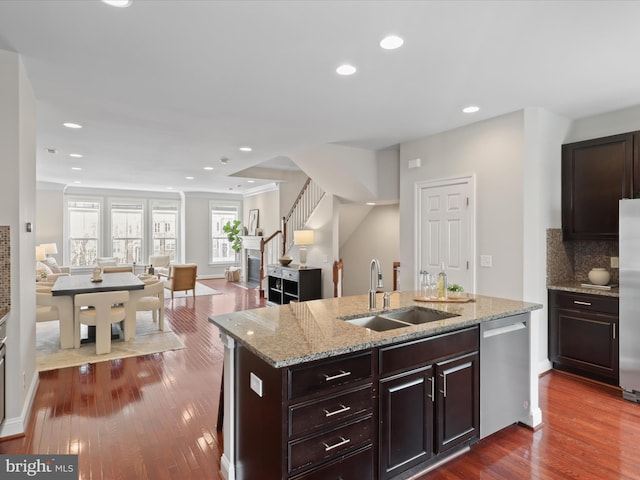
column 154, row 417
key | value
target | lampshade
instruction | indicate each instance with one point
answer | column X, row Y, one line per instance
column 303, row 237
column 50, row 248
column 40, row 253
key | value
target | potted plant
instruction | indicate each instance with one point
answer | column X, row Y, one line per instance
column 233, row 231
column 455, row 290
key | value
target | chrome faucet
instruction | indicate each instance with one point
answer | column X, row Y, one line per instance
column 374, row 283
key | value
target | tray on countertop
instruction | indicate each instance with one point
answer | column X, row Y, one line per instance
column 445, row 300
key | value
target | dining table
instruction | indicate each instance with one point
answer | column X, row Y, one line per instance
column 111, row 282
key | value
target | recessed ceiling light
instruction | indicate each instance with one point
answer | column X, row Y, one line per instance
column 189, row 178
column 470, row 109
column 391, row 42
column 169, row 188
column 52, row 151
column 224, row 160
column 371, row 203
column 245, row 149
column 118, row 3
column 207, row 168
column 346, row 69
column 251, row 181
column 76, row 168
column 75, row 155
column 72, row 125
column 77, row 181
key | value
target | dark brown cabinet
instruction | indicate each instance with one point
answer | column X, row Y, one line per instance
column 434, row 406
column 310, row 421
column 285, row 284
column 596, row 175
column 583, row 335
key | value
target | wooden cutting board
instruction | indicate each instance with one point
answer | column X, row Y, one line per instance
column 445, row 300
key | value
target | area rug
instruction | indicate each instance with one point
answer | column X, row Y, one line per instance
column 200, row 291
column 148, row 340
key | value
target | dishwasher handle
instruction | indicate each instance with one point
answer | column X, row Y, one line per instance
column 492, row 332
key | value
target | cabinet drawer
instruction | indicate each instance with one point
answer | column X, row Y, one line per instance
column 405, row 356
column 290, row 274
column 274, row 272
column 357, row 466
column 327, row 375
column 585, row 302
column 309, row 416
column 331, row 444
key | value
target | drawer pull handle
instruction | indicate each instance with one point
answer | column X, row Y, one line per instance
column 342, row 409
column 578, row 302
column 343, row 441
column 328, row 378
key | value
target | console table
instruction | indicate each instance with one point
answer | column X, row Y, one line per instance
column 293, row 283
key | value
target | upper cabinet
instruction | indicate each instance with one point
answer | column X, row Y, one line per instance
column 596, row 174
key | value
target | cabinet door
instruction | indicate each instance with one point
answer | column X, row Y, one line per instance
column 596, row 174
column 458, row 416
column 588, row 342
column 406, row 420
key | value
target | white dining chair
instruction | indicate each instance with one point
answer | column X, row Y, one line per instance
column 100, row 310
column 50, row 308
column 151, row 299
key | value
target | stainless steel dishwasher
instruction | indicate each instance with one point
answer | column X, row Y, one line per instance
column 504, row 372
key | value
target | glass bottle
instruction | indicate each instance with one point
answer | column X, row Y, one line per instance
column 442, row 282
column 424, row 283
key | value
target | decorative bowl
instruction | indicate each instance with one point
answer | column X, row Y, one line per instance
column 284, row 261
column 599, row 276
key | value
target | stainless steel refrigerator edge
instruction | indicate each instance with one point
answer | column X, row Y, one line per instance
column 629, row 323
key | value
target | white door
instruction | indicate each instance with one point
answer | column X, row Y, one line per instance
column 445, row 219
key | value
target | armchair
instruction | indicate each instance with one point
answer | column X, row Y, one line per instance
column 182, row 278
column 161, row 264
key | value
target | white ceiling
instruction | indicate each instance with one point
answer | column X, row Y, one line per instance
column 164, row 88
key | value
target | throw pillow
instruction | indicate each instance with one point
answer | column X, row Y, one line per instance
column 52, row 264
column 41, row 269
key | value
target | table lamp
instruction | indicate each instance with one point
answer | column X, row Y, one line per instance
column 303, row 238
column 50, row 248
column 40, row 253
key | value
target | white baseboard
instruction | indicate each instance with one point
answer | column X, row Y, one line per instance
column 18, row 425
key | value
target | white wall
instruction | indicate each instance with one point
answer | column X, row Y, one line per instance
column 610, row 123
column 377, row 236
column 493, row 150
column 49, row 215
column 198, row 233
column 17, row 197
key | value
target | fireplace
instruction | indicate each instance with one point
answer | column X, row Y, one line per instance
column 253, row 268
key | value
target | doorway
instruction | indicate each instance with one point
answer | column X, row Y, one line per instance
column 445, row 220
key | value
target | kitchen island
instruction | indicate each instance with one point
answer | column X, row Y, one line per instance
column 309, row 395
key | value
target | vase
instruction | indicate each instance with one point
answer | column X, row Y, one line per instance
column 599, row 276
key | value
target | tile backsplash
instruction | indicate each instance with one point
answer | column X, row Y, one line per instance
column 5, row 268
column 572, row 260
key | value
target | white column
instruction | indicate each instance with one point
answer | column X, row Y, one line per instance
column 227, row 462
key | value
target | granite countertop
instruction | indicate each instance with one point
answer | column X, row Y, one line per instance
column 576, row 287
column 302, row 332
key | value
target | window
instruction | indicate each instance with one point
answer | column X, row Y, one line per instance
column 164, row 221
column 84, row 232
column 127, row 232
column 221, row 251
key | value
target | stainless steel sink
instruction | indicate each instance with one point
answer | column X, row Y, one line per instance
column 418, row 315
column 377, row 323
column 398, row 318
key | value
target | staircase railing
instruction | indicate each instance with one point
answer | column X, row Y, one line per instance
column 307, row 200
